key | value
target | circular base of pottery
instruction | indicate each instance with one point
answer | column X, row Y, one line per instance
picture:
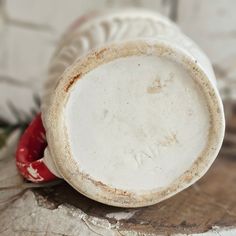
column 133, row 123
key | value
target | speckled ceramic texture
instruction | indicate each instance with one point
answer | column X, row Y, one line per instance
column 97, row 39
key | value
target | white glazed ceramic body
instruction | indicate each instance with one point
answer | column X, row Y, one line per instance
column 99, row 38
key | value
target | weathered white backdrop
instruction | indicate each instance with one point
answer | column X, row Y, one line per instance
column 30, row 29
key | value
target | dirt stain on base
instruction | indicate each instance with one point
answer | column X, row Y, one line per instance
column 158, row 85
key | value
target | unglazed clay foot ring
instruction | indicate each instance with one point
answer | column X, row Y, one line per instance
column 29, row 153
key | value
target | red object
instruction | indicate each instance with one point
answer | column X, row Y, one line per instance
column 30, row 151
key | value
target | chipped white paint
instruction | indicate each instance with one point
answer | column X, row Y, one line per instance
column 34, row 175
column 32, row 171
column 59, row 221
column 121, row 215
column 28, row 216
column 36, row 219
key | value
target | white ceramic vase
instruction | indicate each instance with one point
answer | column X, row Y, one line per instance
column 131, row 109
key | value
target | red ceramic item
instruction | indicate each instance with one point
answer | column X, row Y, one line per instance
column 30, row 151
